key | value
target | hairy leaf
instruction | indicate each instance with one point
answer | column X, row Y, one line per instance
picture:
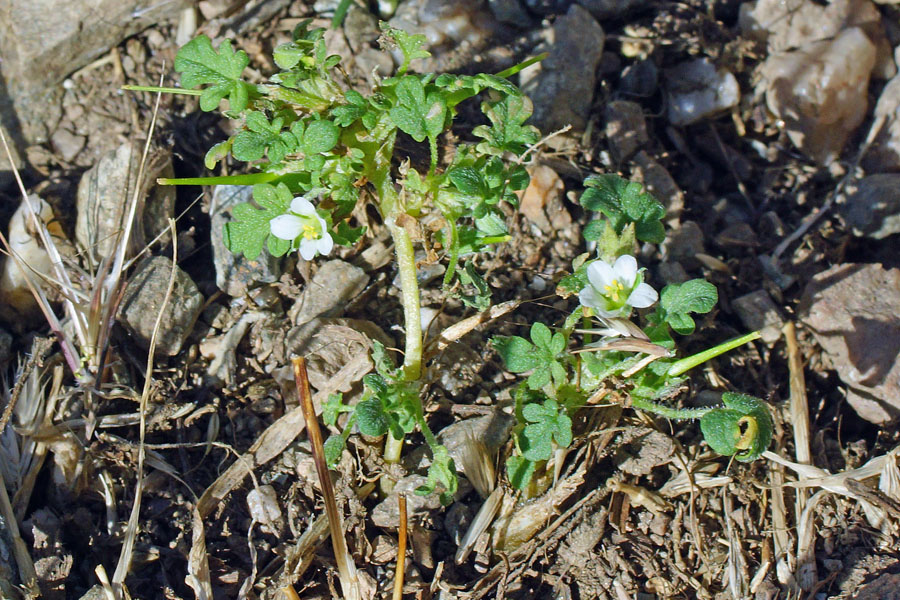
column 743, row 428
column 200, row 64
column 250, row 228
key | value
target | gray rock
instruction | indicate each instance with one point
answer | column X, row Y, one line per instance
column 43, row 41
column 660, row 183
column 640, row 79
column 757, row 311
column 698, row 90
column 105, row 192
column 626, row 128
column 874, row 209
column 236, row 274
column 510, row 11
column 333, row 285
column 387, row 513
column 67, row 144
column 739, row 235
column 608, row 9
column 143, row 300
column 562, row 86
column 854, row 312
column 684, row 243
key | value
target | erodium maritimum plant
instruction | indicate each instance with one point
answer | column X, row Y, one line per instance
column 564, row 376
column 321, row 148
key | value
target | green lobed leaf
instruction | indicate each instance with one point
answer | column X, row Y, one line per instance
column 508, row 131
column 625, row 202
column 370, row 417
column 200, row 64
column 333, row 448
column 320, row 136
column 676, row 301
column 411, row 45
column 441, row 472
column 262, row 137
column 417, row 114
column 519, row 471
column 743, row 428
column 547, row 423
column 250, row 228
column 517, row 353
column 333, row 407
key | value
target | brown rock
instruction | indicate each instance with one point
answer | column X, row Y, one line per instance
column 854, row 312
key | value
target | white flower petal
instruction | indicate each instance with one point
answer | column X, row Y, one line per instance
column 626, row 269
column 643, row 296
column 308, row 249
column 588, row 297
column 600, row 275
column 302, row 206
column 324, row 244
column 286, row 227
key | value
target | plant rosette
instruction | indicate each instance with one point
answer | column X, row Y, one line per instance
column 613, row 290
column 304, row 228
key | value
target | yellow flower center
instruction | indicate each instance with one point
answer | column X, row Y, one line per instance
column 613, row 290
column 309, row 232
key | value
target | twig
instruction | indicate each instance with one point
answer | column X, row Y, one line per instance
column 401, row 550
column 346, row 567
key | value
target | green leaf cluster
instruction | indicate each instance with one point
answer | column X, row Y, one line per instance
column 624, row 202
column 543, row 356
column 677, row 302
column 743, row 428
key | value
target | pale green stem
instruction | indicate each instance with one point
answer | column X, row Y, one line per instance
column 392, row 448
column 409, row 293
column 686, row 364
column 668, row 412
column 161, row 90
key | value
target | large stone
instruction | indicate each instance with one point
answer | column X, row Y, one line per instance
column 334, row 284
column 143, row 301
column 874, row 209
column 105, row 193
column 43, row 41
column 562, row 85
column 236, row 274
column 854, row 312
column 820, row 91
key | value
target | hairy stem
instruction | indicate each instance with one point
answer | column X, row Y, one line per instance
column 409, row 292
column 667, row 411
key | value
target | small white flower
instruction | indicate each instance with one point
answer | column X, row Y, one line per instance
column 303, row 222
column 612, row 291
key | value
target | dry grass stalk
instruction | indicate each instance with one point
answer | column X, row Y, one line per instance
column 345, row 564
column 124, row 564
column 20, row 548
column 799, row 412
column 736, row 567
column 401, row 550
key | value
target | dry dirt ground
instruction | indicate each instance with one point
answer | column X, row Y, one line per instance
column 625, row 521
